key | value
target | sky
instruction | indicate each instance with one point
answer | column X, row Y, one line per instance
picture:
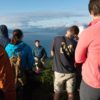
column 42, row 12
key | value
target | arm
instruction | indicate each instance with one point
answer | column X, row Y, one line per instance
column 82, row 47
column 52, row 49
column 44, row 54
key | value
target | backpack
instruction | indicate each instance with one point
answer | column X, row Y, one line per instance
column 20, row 77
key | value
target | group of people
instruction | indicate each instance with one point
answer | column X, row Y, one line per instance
column 17, row 63
column 73, row 56
column 70, row 53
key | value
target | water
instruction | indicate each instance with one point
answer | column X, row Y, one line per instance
column 45, row 35
column 46, row 40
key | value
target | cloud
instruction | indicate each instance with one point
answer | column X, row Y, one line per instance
column 42, row 20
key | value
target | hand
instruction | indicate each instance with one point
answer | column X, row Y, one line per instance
column 61, row 51
column 36, row 59
column 52, row 53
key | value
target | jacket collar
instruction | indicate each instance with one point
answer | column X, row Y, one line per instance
column 94, row 21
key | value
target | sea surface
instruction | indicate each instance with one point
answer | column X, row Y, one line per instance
column 45, row 36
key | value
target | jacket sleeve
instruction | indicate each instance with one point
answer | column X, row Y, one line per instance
column 44, row 54
column 82, row 47
column 52, row 48
column 30, row 58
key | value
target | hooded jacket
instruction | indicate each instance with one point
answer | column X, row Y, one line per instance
column 25, row 52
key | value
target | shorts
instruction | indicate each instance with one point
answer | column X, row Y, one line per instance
column 64, row 82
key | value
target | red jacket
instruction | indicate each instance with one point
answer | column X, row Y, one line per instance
column 88, row 53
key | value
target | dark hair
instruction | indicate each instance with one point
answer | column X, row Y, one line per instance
column 4, row 30
column 74, row 29
column 94, row 7
column 37, row 41
column 17, row 35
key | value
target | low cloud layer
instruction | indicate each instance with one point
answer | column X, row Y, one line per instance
column 43, row 20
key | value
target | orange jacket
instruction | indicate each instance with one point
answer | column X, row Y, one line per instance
column 7, row 84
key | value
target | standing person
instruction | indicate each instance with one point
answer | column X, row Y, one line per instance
column 64, row 72
column 4, row 39
column 88, row 54
column 7, row 85
column 20, row 55
column 39, row 55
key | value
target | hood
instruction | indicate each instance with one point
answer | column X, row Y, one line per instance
column 4, row 31
column 16, row 48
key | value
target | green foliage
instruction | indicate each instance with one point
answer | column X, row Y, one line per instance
column 45, row 78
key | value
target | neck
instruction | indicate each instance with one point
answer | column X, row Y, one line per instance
column 96, row 17
column 68, row 36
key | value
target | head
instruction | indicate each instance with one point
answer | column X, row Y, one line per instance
column 37, row 43
column 94, row 8
column 73, row 31
column 4, row 31
column 17, row 36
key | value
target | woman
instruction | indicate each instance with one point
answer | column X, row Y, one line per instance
column 88, row 54
column 21, row 58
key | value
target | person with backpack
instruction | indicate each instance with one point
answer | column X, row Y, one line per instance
column 4, row 38
column 39, row 55
column 7, row 84
column 88, row 54
column 63, row 49
column 21, row 58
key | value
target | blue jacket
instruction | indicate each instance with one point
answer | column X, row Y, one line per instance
column 25, row 51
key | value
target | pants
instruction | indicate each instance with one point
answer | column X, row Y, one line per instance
column 89, row 93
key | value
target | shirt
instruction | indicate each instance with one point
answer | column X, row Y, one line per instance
column 61, row 63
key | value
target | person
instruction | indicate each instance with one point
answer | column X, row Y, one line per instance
column 4, row 39
column 7, row 85
column 63, row 49
column 20, row 55
column 39, row 55
column 88, row 54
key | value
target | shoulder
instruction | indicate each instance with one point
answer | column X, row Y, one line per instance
column 58, row 39
column 27, row 47
column 9, row 45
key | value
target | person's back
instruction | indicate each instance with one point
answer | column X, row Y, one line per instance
column 24, row 50
column 61, row 63
column 21, row 58
column 4, row 39
column 88, row 54
column 7, row 84
column 92, row 40
column 63, row 50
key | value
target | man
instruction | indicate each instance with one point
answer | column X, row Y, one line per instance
column 7, row 84
column 88, row 54
column 4, row 39
column 39, row 54
column 64, row 72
